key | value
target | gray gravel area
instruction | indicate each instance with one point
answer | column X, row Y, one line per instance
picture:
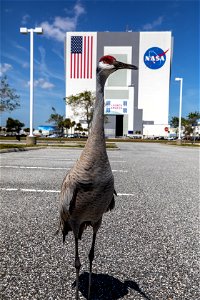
column 147, row 247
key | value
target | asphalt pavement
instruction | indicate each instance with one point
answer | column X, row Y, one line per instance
column 147, row 247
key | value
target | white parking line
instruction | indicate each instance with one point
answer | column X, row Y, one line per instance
column 39, row 191
column 47, row 191
column 120, row 171
column 34, row 167
column 49, row 168
column 60, row 159
column 8, row 189
column 52, row 158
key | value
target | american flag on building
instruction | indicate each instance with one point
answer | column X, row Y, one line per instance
column 81, row 57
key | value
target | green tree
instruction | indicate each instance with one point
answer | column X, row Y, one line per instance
column 189, row 122
column 193, row 118
column 67, row 124
column 27, row 130
column 56, row 119
column 14, row 125
column 9, row 100
column 73, row 123
column 82, row 105
column 79, row 127
column 174, row 122
column 188, row 129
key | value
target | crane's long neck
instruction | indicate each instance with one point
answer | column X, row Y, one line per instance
column 96, row 135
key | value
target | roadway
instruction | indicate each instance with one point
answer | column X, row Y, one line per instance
column 147, row 247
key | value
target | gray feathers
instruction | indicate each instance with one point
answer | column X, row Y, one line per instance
column 88, row 189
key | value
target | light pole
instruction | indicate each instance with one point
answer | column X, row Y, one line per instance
column 25, row 30
column 131, row 109
column 180, row 106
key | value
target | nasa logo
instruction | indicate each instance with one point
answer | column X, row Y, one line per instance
column 154, row 58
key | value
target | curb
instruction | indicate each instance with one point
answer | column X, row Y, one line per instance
column 20, row 149
column 9, row 150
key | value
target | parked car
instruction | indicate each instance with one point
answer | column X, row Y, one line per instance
column 74, row 135
column 160, row 138
column 70, row 136
column 53, row 135
column 171, row 138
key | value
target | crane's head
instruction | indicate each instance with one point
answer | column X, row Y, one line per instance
column 109, row 64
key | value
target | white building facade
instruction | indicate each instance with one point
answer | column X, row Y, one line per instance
column 135, row 101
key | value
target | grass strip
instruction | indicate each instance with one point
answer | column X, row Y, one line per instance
column 21, row 146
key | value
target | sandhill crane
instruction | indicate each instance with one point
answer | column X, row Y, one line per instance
column 88, row 189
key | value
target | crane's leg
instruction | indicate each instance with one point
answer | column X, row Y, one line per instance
column 77, row 266
column 91, row 254
column 91, row 257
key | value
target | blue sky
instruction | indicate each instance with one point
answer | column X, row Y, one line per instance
column 57, row 17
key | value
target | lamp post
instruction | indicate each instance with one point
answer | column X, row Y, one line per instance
column 180, row 107
column 37, row 30
column 131, row 109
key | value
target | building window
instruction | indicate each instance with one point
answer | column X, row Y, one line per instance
column 125, row 110
column 116, row 94
column 107, row 103
column 124, row 103
column 119, row 79
column 83, row 121
column 107, row 109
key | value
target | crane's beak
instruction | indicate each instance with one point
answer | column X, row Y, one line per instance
column 120, row 65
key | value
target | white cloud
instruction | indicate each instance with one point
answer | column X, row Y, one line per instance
column 64, row 23
column 79, row 9
column 25, row 65
column 43, row 69
column 4, row 68
column 19, row 47
column 154, row 24
column 16, row 59
column 43, row 84
column 60, row 25
column 42, row 64
column 25, row 19
column 53, row 32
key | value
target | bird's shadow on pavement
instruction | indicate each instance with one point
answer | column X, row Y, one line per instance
column 106, row 287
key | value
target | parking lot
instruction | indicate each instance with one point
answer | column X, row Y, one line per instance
column 147, row 247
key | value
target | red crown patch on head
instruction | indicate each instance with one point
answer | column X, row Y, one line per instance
column 108, row 59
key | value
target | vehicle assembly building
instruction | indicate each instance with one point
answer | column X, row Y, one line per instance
column 135, row 101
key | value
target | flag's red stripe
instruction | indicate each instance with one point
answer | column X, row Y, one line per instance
column 78, row 65
column 71, row 66
column 81, row 64
column 91, row 53
column 74, row 65
column 88, row 56
column 84, row 65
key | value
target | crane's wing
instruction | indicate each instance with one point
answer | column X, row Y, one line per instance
column 67, row 203
column 68, row 196
column 112, row 202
